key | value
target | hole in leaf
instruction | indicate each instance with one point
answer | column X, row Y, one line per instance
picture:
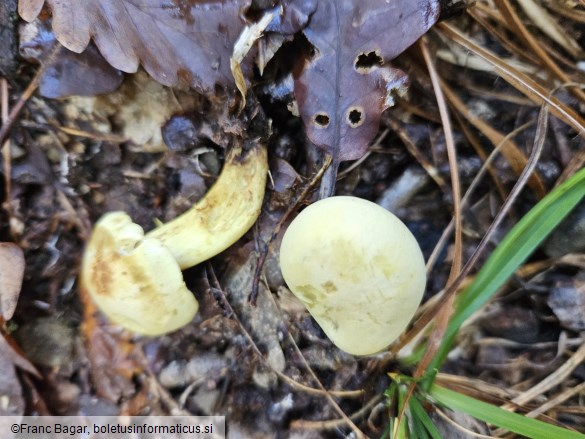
column 321, row 120
column 355, row 117
column 365, row 61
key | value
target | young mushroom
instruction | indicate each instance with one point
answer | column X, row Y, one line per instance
column 135, row 279
column 358, row 270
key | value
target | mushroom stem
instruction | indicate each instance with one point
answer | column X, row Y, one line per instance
column 136, row 280
column 226, row 212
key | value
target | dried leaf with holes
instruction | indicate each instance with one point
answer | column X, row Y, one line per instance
column 188, row 43
column 345, row 85
column 11, row 274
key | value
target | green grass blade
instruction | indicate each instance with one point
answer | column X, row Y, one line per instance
column 514, row 249
column 417, row 429
column 514, row 422
column 419, row 414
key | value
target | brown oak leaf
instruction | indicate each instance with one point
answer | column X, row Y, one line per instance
column 179, row 42
column 344, row 87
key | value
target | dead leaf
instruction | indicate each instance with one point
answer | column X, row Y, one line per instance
column 11, row 400
column 85, row 74
column 11, row 274
column 567, row 300
column 344, row 87
column 177, row 42
column 69, row 73
column 549, row 26
column 114, row 360
column 247, row 39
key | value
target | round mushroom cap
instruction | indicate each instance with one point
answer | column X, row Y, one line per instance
column 358, row 270
column 135, row 281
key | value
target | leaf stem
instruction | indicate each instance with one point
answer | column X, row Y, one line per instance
column 327, row 188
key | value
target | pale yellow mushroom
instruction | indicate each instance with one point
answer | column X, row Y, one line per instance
column 136, row 280
column 358, row 270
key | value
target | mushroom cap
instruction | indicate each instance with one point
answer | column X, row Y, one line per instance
column 358, row 270
column 135, row 281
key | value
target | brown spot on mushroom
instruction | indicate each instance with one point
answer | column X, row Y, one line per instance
column 329, row 287
column 308, row 294
column 101, row 277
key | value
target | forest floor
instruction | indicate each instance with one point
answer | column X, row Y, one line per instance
column 68, row 161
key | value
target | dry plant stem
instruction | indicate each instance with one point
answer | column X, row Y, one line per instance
column 358, row 162
column 444, row 313
column 164, row 396
column 112, row 138
column 539, row 16
column 474, row 140
column 577, row 163
column 522, row 82
column 419, row 324
column 6, row 147
column 578, row 160
column 285, row 378
column 417, row 154
column 566, row 11
column 482, row 15
column 472, row 187
column 263, row 252
column 9, row 119
column 327, row 188
column 466, row 432
column 476, row 388
column 554, row 379
column 335, row 423
column 510, row 150
column 539, row 140
column 30, row 89
column 557, row 400
column 516, row 25
column 322, row 424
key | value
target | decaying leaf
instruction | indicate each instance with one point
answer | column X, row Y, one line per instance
column 248, row 37
column 177, row 42
column 69, row 73
column 346, row 84
column 567, row 300
column 12, row 401
column 11, row 274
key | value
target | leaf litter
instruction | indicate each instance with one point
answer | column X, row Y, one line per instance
column 11, row 274
column 178, row 43
column 345, row 85
column 98, row 174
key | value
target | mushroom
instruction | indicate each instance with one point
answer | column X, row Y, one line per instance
column 357, row 269
column 135, row 279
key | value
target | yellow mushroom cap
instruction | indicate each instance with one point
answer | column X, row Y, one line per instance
column 358, row 270
column 135, row 281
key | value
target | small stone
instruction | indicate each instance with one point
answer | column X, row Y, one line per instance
column 567, row 300
column 569, row 236
column 47, row 341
